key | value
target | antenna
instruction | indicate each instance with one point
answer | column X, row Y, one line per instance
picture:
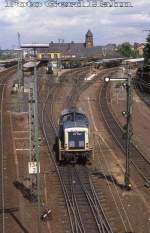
column 60, row 40
column 19, row 39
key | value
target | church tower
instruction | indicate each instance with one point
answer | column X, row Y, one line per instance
column 89, row 39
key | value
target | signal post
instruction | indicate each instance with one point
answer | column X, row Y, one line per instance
column 128, row 127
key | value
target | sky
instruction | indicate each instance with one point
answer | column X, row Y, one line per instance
column 46, row 24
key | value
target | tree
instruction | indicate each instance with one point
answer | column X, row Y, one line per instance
column 6, row 56
column 147, row 51
column 126, row 50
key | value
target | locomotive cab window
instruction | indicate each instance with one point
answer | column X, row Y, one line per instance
column 67, row 117
column 80, row 117
column 76, row 140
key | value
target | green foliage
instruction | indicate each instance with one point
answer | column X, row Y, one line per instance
column 6, row 56
column 127, row 51
column 147, row 52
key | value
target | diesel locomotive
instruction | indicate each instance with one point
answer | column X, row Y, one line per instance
column 74, row 136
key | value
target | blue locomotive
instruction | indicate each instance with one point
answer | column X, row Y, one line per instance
column 73, row 137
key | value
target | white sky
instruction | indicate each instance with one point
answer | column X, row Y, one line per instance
column 42, row 25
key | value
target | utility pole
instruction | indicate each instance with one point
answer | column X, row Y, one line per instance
column 37, row 146
column 20, row 74
column 19, row 40
column 19, row 68
column 128, row 126
column 34, row 157
column 21, row 62
column 34, row 163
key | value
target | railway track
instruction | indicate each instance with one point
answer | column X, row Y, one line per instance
column 2, row 193
column 80, row 86
column 3, row 79
column 137, row 158
column 84, row 209
column 83, row 198
column 144, row 97
column 83, row 206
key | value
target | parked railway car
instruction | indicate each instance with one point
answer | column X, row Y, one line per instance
column 143, row 76
column 28, row 67
column 74, row 137
column 49, row 68
column 114, row 62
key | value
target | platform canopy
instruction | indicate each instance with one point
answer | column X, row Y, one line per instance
column 113, row 59
column 134, row 60
column 34, row 46
column 31, row 64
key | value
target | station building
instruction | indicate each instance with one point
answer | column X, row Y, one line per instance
column 74, row 50
column 139, row 47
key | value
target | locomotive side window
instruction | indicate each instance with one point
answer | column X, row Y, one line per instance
column 68, row 117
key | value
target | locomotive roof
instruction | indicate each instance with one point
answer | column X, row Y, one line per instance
column 74, row 120
column 74, row 124
column 67, row 111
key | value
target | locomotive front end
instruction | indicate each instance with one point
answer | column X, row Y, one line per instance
column 74, row 137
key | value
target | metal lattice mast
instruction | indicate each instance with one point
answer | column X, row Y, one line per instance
column 34, row 162
column 128, row 127
column 37, row 146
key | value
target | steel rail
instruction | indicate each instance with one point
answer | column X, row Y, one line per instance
column 3, row 77
column 141, row 164
column 141, row 96
column 70, row 209
column 44, row 127
column 75, row 213
column 5, row 72
column 96, row 208
column 103, row 219
column 74, row 216
column 114, row 197
column 2, row 162
column 75, row 203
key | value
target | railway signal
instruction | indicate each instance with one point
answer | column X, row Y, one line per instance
column 124, row 113
column 109, row 79
column 128, row 127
